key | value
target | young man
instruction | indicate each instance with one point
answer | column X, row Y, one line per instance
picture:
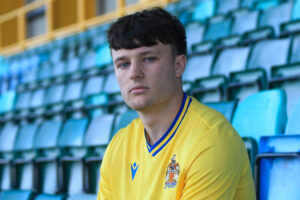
column 178, row 148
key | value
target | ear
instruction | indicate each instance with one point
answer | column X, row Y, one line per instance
column 180, row 63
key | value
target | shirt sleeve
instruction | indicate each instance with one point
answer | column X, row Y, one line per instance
column 105, row 189
column 221, row 169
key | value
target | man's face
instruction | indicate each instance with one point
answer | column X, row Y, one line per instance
column 148, row 76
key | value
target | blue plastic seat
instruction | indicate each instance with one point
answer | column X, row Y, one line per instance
column 227, row 108
column 7, row 140
column 212, row 88
column 204, row 10
column 24, row 151
column 258, row 68
column 260, row 114
column 194, row 34
column 225, row 6
column 278, row 167
column 103, row 57
column 73, row 91
column 244, row 21
column 293, row 125
column 124, row 119
column 97, row 138
column 16, row 195
column 83, row 197
column 7, row 101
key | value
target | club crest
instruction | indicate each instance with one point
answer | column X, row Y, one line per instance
column 172, row 173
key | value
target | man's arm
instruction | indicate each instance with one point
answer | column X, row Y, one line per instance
column 105, row 190
column 221, row 169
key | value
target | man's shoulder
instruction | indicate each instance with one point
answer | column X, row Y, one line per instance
column 130, row 131
column 205, row 115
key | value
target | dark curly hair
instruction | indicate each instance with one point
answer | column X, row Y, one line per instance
column 147, row 28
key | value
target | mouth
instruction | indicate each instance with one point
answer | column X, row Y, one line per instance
column 138, row 90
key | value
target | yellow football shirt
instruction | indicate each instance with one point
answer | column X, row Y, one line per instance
column 199, row 157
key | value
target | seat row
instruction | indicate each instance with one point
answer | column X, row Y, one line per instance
column 55, row 158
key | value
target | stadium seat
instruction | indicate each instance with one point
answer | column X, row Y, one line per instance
column 16, row 195
column 244, row 20
column 70, row 142
column 97, row 138
column 93, row 85
column 103, row 57
column 287, row 76
column 83, row 197
column 278, row 167
column 198, row 66
column 88, row 60
column 7, row 140
column 260, row 114
column 24, row 154
column 204, row 10
column 194, row 34
column 293, row 125
column 227, row 108
column 46, row 145
column 227, row 61
column 7, row 101
column 292, row 26
column 217, row 27
column 225, row 6
column 259, row 65
column 124, row 119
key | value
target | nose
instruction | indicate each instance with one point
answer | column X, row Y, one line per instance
column 136, row 71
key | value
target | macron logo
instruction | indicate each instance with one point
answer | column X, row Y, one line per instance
column 134, row 168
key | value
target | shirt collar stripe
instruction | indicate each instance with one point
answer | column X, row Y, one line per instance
column 190, row 100
column 171, row 127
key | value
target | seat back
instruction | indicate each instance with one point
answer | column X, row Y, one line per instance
column 73, row 90
column 7, row 140
column 103, row 57
column 16, row 194
column 203, row 10
column 263, row 113
column 279, row 172
column 245, row 22
column 293, row 125
column 93, row 85
column 217, row 28
column 7, row 101
column 261, row 53
column 54, row 94
column 224, row 6
column 24, row 147
column 231, row 60
column 226, row 108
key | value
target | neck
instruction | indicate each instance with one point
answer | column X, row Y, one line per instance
column 157, row 120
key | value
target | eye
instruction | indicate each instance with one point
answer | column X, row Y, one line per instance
column 123, row 65
column 149, row 59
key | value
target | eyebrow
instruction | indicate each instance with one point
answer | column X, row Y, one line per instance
column 140, row 54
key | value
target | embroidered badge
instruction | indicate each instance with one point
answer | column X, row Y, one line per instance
column 172, row 174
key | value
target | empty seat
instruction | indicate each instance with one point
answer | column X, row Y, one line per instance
column 24, row 154
column 229, row 60
column 124, row 119
column 198, row 66
column 97, row 138
column 54, row 94
column 293, row 125
column 73, row 90
column 194, row 34
column 260, row 114
column 203, row 10
column 244, row 21
column 103, row 57
column 227, row 108
column 7, row 140
column 16, row 194
column 278, row 167
column 217, row 27
column 7, row 100
column 23, row 100
column 258, row 67
column 225, row 6
column 93, row 86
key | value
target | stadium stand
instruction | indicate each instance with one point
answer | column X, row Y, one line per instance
column 60, row 103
